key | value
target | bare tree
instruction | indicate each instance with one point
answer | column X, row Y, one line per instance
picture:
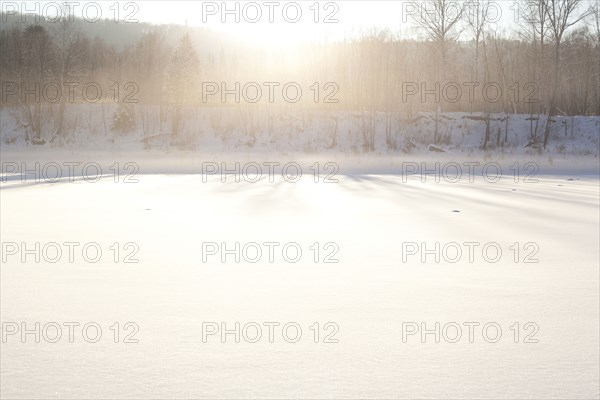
column 562, row 15
column 439, row 19
column 535, row 14
column 38, row 57
column 69, row 62
column 596, row 22
column 477, row 14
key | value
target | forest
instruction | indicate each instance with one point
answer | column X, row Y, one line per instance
column 546, row 64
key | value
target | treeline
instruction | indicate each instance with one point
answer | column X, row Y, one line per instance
column 548, row 65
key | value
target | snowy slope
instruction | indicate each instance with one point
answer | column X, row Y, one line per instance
column 254, row 129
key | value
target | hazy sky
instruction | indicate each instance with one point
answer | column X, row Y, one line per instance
column 276, row 21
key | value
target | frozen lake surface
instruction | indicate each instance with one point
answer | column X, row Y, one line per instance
column 371, row 297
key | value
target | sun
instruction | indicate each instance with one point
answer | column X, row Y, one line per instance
column 276, row 34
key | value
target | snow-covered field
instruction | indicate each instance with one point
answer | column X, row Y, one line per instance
column 375, row 295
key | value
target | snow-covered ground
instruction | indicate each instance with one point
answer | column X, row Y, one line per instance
column 252, row 129
column 375, row 294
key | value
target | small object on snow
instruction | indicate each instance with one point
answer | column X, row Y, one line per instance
column 455, row 211
column 436, row 149
column 571, row 179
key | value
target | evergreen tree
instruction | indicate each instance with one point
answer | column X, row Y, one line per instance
column 123, row 118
